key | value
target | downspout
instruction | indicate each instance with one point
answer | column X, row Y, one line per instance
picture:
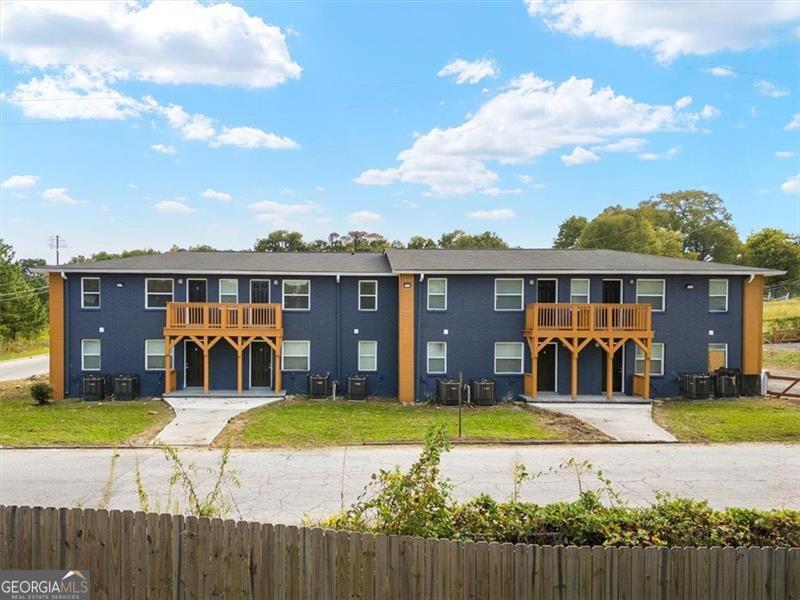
column 417, row 341
column 66, row 334
column 339, row 329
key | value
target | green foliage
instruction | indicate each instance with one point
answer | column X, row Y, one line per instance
column 629, row 230
column 103, row 255
column 459, row 239
column 42, row 392
column 22, row 314
column 774, row 249
column 569, row 232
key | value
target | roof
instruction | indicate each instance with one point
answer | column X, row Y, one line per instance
column 392, row 261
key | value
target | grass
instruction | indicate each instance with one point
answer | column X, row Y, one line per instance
column 743, row 420
column 303, row 423
column 23, row 348
column 782, row 359
column 781, row 314
column 76, row 423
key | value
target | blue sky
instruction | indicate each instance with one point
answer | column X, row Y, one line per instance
column 131, row 125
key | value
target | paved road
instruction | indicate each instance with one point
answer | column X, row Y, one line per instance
column 284, row 486
column 22, row 368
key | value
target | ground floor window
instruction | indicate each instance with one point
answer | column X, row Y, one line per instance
column 154, row 355
column 656, row 359
column 367, row 356
column 437, row 358
column 508, row 358
column 296, row 356
column 90, row 355
column 717, row 356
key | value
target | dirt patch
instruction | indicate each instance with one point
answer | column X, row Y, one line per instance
column 572, row 428
column 143, row 438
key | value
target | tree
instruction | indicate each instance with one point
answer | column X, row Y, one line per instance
column 281, row 240
column 103, row 255
column 570, row 231
column 629, row 230
column 35, row 280
column 21, row 312
column 419, row 242
column 459, row 239
column 774, row 249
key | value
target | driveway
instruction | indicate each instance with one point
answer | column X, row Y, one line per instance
column 22, row 368
column 284, row 486
column 621, row 422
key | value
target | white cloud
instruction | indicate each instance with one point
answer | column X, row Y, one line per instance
column 791, row 185
column 320, row 188
column 60, row 196
column 531, row 182
column 794, row 123
column 279, row 214
column 721, row 71
column 683, row 102
column 161, row 41
column 287, row 191
column 784, row 154
column 654, row 156
column 528, row 119
column 163, row 148
column 190, row 127
column 466, row 71
column 251, row 138
column 495, row 191
column 173, row 207
column 623, row 145
column 579, row 156
column 132, row 186
column 364, row 217
column 215, row 195
column 496, row 214
column 19, row 182
column 767, row 88
column 671, row 29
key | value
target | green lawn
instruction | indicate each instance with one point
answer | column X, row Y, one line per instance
column 23, row 348
column 77, row 423
column 745, row 420
column 302, row 423
column 782, row 359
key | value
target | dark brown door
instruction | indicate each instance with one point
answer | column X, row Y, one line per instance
column 260, row 365
column 546, row 291
column 197, row 290
column 194, row 365
column 259, row 291
column 616, row 371
column 546, row 365
column 612, row 291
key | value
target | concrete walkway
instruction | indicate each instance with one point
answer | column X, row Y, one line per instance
column 622, row 422
column 22, row 368
column 199, row 420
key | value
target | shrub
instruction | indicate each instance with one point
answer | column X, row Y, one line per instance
column 41, row 392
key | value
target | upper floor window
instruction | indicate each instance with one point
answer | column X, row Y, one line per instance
column 508, row 358
column 229, row 290
column 656, row 359
column 437, row 293
column 579, row 291
column 368, row 295
column 718, row 295
column 652, row 292
column 90, row 355
column 437, row 358
column 158, row 292
column 508, row 294
column 367, row 355
column 90, row 292
column 296, row 355
column 296, row 294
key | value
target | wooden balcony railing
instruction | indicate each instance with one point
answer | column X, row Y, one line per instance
column 588, row 318
column 223, row 317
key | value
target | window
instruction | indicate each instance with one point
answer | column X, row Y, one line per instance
column 367, row 356
column 368, row 295
column 717, row 356
column 296, row 294
column 437, row 358
column 718, row 295
column 229, row 290
column 158, row 292
column 508, row 294
column 651, row 291
column 154, row 355
column 437, row 294
column 579, row 291
column 90, row 292
column 656, row 359
column 508, row 358
column 90, row 355
column 296, row 356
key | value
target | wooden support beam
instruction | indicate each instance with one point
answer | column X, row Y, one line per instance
column 239, row 377
column 535, row 374
column 575, row 374
column 167, row 367
column 647, row 353
column 206, row 370
column 278, row 372
column 609, row 374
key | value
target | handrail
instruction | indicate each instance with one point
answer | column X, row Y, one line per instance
column 223, row 316
column 588, row 317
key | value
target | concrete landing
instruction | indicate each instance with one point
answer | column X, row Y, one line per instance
column 550, row 398
column 622, row 422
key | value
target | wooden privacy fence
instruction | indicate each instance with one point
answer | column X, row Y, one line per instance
column 788, row 387
column 138, row 555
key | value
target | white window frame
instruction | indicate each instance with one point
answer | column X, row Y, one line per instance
column 436, row 294
column 727, row 294
column 99, row 355
column 147, row 355
column 521, row 294
column 363, row 295
column 375, row 356
column 588, row 293
column 283, row 294
column 219, row 290
column 538, row 279
column 97, row 293
column 307, row 356
column 521, row 359
column 148, row 294
column 428, row 358
column 250, row 289
column 639, row 356
column 723, row 345
column 663, row 294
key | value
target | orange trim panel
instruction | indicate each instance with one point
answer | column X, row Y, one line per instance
column 405, row 334
column 56, row 284
column 752, row 324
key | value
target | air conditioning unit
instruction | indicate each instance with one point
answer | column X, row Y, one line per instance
column 447, row 391
column 357, row 387
column 483, row 392
column 696, row 386
column 93, row 387
column 319, row 386
column 126, row 387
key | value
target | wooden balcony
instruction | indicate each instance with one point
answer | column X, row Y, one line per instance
column 217, row 318
column 584, row 320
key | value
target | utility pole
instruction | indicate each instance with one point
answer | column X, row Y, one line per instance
column 56, row 242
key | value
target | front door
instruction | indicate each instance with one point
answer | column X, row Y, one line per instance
column 197, row 290
column 612, row 291
column 260, row 365
column 194, row 365
column 616, row 371
column 259, row 291
column 546, row 291
column 546, row 369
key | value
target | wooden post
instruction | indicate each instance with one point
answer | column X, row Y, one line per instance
column 167, row 367
column 575, row 371
column 609, row 369
column 278, row 350
column 239, row 383
column 648, row 350
column 535, row 369
column 206, row 373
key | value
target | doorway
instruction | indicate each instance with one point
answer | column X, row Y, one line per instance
column 612, row 291
column 259, row 291
column 547, row 368
column 616, row 371
column 260, row 365
column 546, row 291
column 193, row 374
column 197, row 289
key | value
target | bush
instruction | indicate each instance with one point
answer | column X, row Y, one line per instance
column 42, row 392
